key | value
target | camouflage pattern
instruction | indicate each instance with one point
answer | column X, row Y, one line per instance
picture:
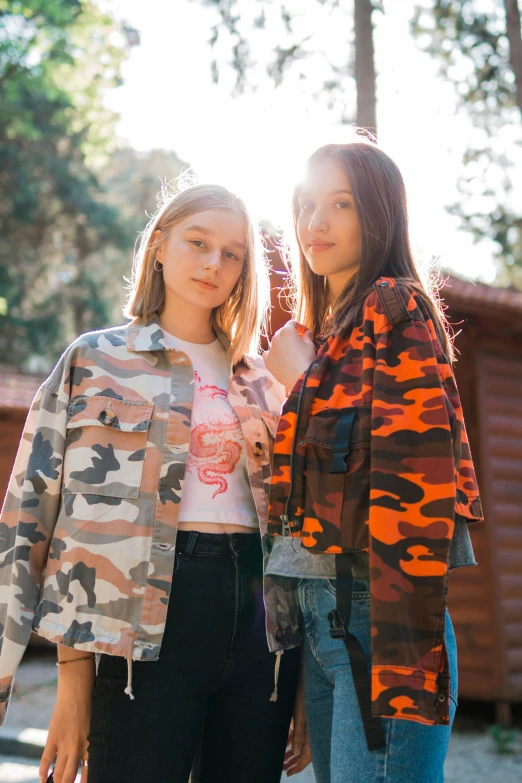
column 88, row 528
column 372, row 455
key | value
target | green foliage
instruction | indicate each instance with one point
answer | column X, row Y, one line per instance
column 472, row 48
column 504, row 739
column 56, row 63
column 474, row 52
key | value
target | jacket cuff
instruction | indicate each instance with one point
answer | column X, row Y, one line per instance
column 411, row 694
column 471, row 509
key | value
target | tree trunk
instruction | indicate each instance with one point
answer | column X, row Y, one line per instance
column 515, row 45
column 365, row 66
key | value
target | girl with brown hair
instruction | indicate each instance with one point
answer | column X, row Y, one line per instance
column 373, row 482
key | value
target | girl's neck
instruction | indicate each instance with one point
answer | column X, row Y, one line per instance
column 337, row 282
column 186, row 322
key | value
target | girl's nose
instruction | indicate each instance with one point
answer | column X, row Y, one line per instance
column 213, row 259
column 317, row 222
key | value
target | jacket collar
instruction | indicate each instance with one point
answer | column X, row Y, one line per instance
column 149, row 336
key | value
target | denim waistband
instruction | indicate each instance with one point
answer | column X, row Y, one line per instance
column 191, row 543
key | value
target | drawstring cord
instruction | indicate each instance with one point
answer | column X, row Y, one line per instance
column 128, row 689
column 273, row 697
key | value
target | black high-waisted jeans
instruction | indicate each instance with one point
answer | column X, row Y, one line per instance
column 205, row 704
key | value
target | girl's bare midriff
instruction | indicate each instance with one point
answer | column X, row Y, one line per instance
column 215, row 527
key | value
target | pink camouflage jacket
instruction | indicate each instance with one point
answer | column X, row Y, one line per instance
column 88, row 527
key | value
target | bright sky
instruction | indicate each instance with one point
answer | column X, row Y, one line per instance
column 257, row 143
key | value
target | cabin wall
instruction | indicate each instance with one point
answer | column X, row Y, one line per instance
column 500, row 398
column 470, row 597
column 11, row 427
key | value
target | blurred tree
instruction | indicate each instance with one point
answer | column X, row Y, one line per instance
column 325, row 49
column 57, row 59
column 365, row 65
column 481, row 52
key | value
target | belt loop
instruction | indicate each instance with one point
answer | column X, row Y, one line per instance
column 191, row 545
column 232, row 544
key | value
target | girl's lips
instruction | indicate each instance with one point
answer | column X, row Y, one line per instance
column 206, row 286
column 318, row 246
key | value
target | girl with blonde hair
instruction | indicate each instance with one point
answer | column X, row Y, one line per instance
column 135, row 517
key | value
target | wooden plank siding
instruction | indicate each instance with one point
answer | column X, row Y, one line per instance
column 501, row 395
column 470, row 599
column 11, row 428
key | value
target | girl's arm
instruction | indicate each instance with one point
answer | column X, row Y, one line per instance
column 290, row 354
column 416, row 461
column 70, row 722
column 298, row 755
column 28, row 519
column 27, row 522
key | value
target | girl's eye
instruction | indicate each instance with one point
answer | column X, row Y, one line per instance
column 307, row 205
column 231, row 255
column 343, row 204
column 197, row 242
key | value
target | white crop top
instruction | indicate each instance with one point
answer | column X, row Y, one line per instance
column 216, row 487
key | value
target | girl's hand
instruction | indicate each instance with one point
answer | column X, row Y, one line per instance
column 290, row 354
column 298, row 755
column 70, row 723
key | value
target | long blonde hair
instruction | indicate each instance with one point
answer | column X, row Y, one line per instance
column 243, row 316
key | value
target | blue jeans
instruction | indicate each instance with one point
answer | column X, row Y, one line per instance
column 414, row 752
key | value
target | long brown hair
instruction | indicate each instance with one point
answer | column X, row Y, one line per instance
column 243, row 316
column 380, row 199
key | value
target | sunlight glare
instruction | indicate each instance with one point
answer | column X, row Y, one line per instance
column 257, row 144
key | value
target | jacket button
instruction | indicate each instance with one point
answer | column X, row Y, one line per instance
column 384, row 283
column 257, row 448
column 442, row 697
column 107, row 417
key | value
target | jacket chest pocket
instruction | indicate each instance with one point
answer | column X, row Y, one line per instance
column 270, row 422
column 105, row 447
column 338, row 477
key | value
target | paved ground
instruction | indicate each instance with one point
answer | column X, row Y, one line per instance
column 472, row 757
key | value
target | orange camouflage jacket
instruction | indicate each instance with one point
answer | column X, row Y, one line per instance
column 371, row 454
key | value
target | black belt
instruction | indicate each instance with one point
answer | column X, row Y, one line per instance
column 339, row 621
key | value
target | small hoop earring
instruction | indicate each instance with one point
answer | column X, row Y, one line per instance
column 160, row 269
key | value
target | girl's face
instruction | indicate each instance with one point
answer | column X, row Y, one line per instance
column 328, row 226
column 203, row 257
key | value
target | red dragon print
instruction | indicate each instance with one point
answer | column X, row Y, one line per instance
column 215, row 447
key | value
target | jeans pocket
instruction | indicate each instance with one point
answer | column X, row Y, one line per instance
column 178, row 564
column 330, row 586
